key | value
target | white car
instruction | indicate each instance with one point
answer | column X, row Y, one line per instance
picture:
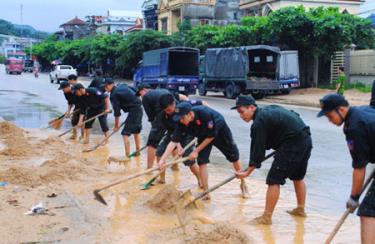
column 61, row 72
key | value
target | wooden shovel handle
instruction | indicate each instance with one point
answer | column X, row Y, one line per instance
column 347, row 212
column 130, row 177
column 106, row 138
column 84, row 122
column 202, row 194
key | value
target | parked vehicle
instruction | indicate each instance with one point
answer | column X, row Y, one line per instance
column 14, row 65
column 176, row 69
column 256, row 70
column 29, row 64
column 61, row 72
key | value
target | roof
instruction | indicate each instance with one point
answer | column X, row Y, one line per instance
column 75, row 21
column 137, row 27
column 124, row 13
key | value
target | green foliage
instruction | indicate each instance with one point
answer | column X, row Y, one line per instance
column 203, row 37
column 2, row 59
column 356, row 85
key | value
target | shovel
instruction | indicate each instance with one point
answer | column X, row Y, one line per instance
column 57, row 122
column 103, row 141
column 347, row 212
column 84, row 122
column 127, row 159
column 192, row 201
column 130, row 177
column 149, row 183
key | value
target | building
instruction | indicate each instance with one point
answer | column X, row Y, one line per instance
column 11, row 45
column 199, row 12
column 372, row 18
column 264, row 7
column 149, row 10
column 74, row 29
column 138, row 26
column 118, row 21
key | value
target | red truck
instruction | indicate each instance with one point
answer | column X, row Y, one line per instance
column 14, row 65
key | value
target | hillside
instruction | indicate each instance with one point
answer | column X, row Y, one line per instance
column 8, row 28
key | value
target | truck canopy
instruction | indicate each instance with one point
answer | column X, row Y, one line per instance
column 174, row 61
column 289, row 67
column 240, row 63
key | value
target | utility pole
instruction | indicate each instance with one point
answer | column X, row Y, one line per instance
column 21, row 9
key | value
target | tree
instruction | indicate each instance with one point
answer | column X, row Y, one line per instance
column 203, row 37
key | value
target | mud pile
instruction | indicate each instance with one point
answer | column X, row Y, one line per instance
column 222, row 233
column 15, row 140
column 165, row 200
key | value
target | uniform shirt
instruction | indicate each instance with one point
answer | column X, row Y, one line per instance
column 372, row 102
column 123, row 97
column 167, row 120
column 207, row 123
column 272, row 126
column 359, row 129
column 94, row 99
column 151, row 103
column 72, row 99
column 97, row 82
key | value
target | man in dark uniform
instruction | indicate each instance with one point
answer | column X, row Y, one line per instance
column 124, row 98
column 72, row 79
column 151, row 105
column 73, row 102
column 277, row 128
column 359, row 130
column 98, row 81
column 93, row 102
column 211, row 129
column 168, row 104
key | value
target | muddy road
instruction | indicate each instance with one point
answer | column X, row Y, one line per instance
column 31, row 102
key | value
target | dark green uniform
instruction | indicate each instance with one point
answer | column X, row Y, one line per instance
column 284, row 131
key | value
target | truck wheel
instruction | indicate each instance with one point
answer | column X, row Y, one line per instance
column 258, row 94
column 285, row 91
column 202, row 90
column 232, row 91
column 50, row 79
column 58, row 81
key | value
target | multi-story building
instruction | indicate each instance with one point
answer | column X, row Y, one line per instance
column 74, row 29
column 118, row 21
column 149, row 9
column 10, row 45
column 199, row 12
column 264, row 7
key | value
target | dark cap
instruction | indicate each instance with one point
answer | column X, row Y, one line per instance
column 140, row 87
column 108, row 81
column 72, row 77
column 331, row 102
column 78, row 86
column 244, row 101
column 181, row 110
column 63, row 85
column 165, row 100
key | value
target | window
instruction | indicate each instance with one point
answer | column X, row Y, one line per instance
column 164, row 25
column 269, row 59
column 235, row 16
column 256, row 59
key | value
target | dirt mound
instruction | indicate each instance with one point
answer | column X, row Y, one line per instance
column 7, row 128
column 222, row 233
column 19, row 176
column 165, row 200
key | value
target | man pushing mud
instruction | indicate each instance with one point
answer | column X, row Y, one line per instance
column 277, row 128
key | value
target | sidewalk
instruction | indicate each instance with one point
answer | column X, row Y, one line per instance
column 310, row 97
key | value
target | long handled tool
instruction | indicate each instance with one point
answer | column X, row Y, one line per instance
column 84, row 122
column 137, row 152
column 187, row 200
column 148, row 184
column 347, row 212
column 130, row 177
column 57, row 122
column 103, row 141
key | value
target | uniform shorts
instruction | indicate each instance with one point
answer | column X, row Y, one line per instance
column 224, row 142
column 133, row 123
column 156, row 133
column 102, row 119
column 184, row 141
column 367, row 206
column 291, row 161
column 75, row 118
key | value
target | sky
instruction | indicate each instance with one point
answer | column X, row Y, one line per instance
column 47, row 15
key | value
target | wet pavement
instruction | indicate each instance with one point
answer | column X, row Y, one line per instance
column 31, row 102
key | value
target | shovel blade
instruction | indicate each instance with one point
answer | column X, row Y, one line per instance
column 99, row 197
column 148, row 184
